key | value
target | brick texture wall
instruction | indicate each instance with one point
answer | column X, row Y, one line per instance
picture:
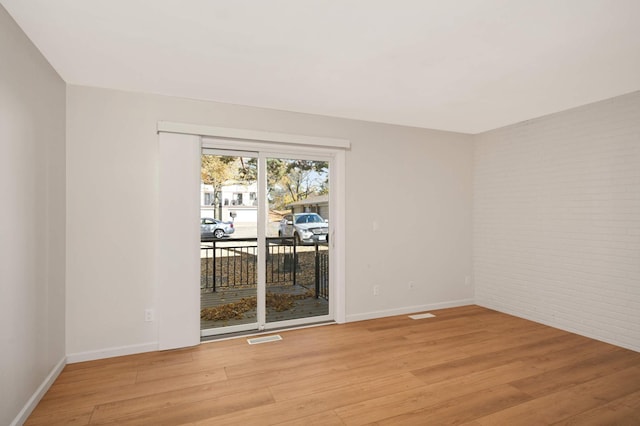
column 557, row 220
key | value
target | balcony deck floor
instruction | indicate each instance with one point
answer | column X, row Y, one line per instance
column 307, row 307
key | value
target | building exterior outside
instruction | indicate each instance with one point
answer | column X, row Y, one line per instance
column 238, row 202
column 314, row 203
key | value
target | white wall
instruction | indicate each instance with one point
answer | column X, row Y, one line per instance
column 112, row 196
column 32, row 221
column 557, row 220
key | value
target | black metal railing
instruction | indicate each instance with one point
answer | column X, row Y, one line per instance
column 322, row 273
column 232, row 263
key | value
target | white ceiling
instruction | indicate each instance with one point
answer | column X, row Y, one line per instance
column 463, row 65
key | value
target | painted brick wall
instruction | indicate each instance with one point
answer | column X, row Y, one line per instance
column 557, row 220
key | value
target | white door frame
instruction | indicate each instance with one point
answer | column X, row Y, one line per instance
column 286, row 144
column 336, row 226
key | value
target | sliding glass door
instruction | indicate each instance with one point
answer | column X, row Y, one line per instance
column 228, row 246
column 297, row 239
column 265, row 235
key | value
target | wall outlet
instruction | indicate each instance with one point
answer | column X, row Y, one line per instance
column 411, row 285
column 467, row 280
column 376, row 290
column 148, row 315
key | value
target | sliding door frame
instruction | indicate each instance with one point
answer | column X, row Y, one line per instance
column 335, row 157
column 171, row 331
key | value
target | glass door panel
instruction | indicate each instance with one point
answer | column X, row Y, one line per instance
column 297, row 237
column 264, row 241
column 228, row 248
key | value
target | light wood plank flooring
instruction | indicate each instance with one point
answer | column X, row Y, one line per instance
column 467, row 365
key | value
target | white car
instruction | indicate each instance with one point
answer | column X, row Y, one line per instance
column 306, row 228
column 214, row 227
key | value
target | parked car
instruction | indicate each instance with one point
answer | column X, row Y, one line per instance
column 306, row 228
column 214, row 227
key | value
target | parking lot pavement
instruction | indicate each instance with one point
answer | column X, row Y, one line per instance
column 250, row 230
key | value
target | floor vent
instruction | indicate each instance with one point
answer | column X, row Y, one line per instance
column 421, row 316
column 265, row 339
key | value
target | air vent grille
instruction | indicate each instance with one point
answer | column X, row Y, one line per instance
column 265, row 339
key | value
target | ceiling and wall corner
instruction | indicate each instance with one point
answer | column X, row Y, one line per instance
column 303, row 68
column 32, row 222
column 466, row 66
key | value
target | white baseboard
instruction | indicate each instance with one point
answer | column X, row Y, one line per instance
column 112, row 352
column 409, row 310
column 26, row 411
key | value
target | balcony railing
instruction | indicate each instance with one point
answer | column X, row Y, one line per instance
column 232, row 263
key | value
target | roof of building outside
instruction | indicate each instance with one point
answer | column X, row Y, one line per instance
column 314, row 199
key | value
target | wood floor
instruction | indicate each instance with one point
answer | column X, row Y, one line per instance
column 467, row 365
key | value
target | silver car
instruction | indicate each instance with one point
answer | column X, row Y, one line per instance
column 214, row 227
column 306, row 228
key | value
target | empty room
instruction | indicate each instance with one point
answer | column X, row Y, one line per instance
column 411, row 212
